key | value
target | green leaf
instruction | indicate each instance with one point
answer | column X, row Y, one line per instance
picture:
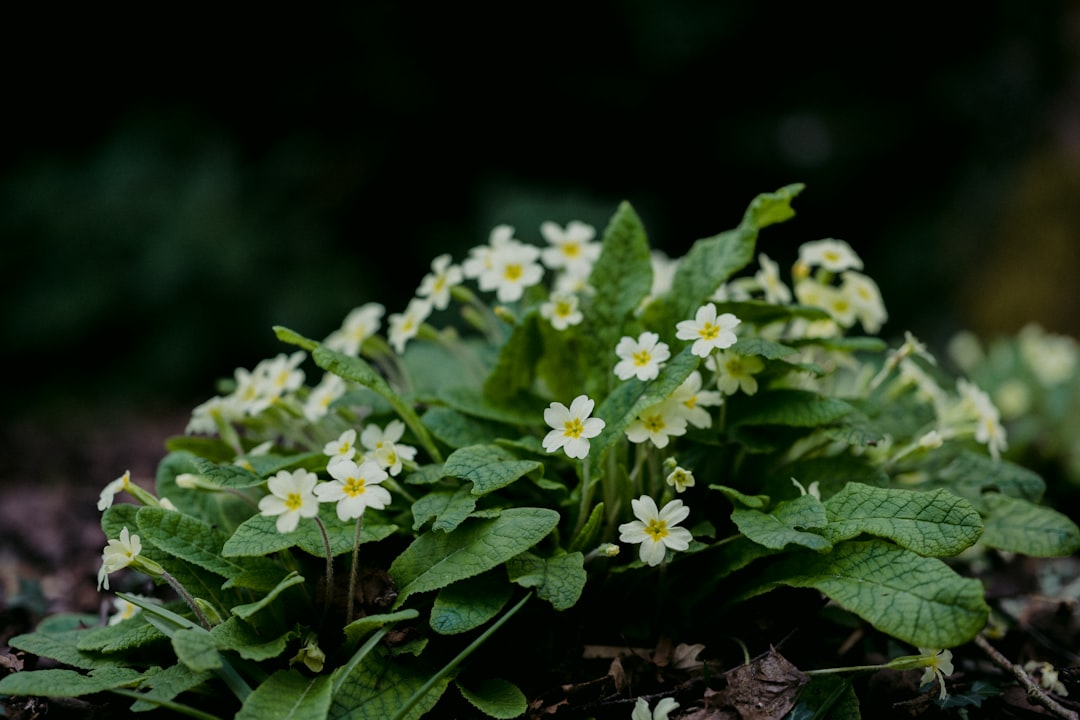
column 68, row 683
column 935, row 523
column 489, row 467
column 918, row 600
column 380, row 685
column 827, row 697
column 249, row 609
column 753, row 502
column 165, row 685
column 468, row 604
column 795, row 408
column 449, row 509
column 132, row 633
column 560, row 579
column 258, row 535
column 237, row 635
column 357, row 630
column 762, row 347
column 972, row 475
column 590, row 530
column 515, row 369
column 435, row 560
column 196, row 649
column 1019, row 526
column 782, row 526
column 495, row 698
column 457, row 429
column 621, row 278
column 63, row 647
column 288, row 695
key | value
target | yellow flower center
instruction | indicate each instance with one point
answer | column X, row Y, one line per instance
column 709, row 331
column 354, row 486
column 563, row 309
column 573, row 428
column 656, row 529
column 513, row 272
column 572, row 249
column 294, row 501
column 642, row 358
column 654, row 423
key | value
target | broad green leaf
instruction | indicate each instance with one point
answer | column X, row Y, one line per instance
column 448, row 508
column 457, row 430
column 515, row 369
column 258, row 535
column 511, row 411
column 196, row 649
column 380, row 685
column 249, row 609
column 562, row 367
column 827, row 697
column 935, row 523
column 1020, row 526
column 590, row 530
column 762, row 347
column 237, row 635
column 230, row 476
column 68, row 683
column 786, row 524
column 223, row 509
column 489, row 467
column 621, row 277
column 357, row 630
column 288, row 695
column 435, row 560
column 468, row 604
column 972, row 474
column 796, row 408
column 753, row 502
column 496, row 698
column 63, row 647
column 559, row 580
column 831, row 473
column 918, row 600
column 165, row 685
column 132, row 633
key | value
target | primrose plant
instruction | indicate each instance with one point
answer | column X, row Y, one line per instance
column 344, row 529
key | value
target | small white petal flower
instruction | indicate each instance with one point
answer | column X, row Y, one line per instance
column 768, row 278
column 658, row 423
column 695, row 400
column 571, row 248
column 344, row 448
column 355, row 488
column 405, row 325
column 661, row 712
column 641, row 358
column 680, row 478
column 561, row 310
column 118, row 554
column 655, row 529
column 735, row 372
column 436, row 285
column 360, row 324
column 329, row 389
column 834, row 255
column 572, row 427
column 108, row 493
column 708, row 331
column 940, row 665
column 292, row 497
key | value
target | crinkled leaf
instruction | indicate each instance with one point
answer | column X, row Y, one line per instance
column 496, row 698
column 489, row 467
column 288, row 695
column 379, row 685
column 249, row 609
column 258, row 535
column 972, row 474
column 559, row 580
column 435, row 559
column 63, row 647
column 449, row 508
column 1020, row 526
column 754, row 502
column 468, row 604
column 230, row 476
column 68, row 683
column 935, row 523
column 831, row 473
column 786, row 524
column 237, row 635
column 132, row 633
column 357, row 630
column 511, row 411
column 196, row 649
column 915, row 599
column 457, row 430
column 785, row 406
column 165, row 685
column 516, row 367
column 762, row 347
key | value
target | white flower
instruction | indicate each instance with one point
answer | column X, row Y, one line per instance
column 355, row 488
column 695, row 400
column 108, row 493
column 282, row 373
column 344, row 448
column 708, row 331
column 436, row 285
column 680, row 478
column 479, row 261
column 384, row 446
column 360, row 324
column 1053, row 358
column 988, row 428
column 735, row 372
column 768, row 278
column 561, row 310
column 571, row 428
column 834, row 255
column 125, row 610
column 642, row 357
column 655, row 529
column 514, row 267
column 329, row 389
column 572, row 248
column 658, row 423
column 292, row 497
column 393, row 456
column 663, row 708
column 837, row 303
column 939, row 666
column 865, row 297
column 405, row 325
column 118, row 554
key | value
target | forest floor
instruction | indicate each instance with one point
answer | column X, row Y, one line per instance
column 50, row 551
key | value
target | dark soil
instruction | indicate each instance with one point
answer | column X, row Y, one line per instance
column 50, row 550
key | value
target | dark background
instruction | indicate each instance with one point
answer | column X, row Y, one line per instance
column 173, row 185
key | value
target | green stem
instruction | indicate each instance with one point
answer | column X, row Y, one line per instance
column 449, row 667
column 167, row 704
column 182, row 592
column 586, row 497
column 328, row 580
column 353, row 571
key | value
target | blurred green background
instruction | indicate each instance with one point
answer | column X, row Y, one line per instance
column 173, row 185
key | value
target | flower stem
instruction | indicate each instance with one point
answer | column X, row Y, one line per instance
column 328, row 579
column 182, row 592
column 353, row 571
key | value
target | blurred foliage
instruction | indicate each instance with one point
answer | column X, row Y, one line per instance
column 171, row 191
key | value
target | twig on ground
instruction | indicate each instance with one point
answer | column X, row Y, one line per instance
column 1035, row 692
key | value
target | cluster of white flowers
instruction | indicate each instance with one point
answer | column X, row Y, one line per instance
column 254, row 391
